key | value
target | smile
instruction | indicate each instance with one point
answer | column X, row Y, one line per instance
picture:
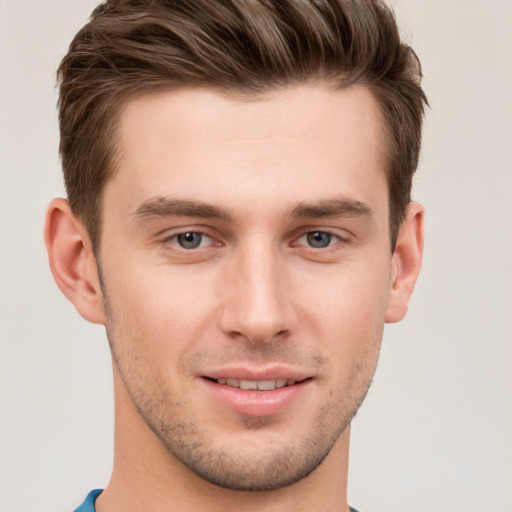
column 258, row 395
column 260, row 385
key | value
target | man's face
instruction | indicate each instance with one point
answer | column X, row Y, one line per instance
column 245, row 245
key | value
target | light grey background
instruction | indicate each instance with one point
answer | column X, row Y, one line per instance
column 436, row 430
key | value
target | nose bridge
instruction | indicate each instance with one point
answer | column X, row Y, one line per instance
column 257, row 303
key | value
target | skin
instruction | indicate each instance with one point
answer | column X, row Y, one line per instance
column 293, row 274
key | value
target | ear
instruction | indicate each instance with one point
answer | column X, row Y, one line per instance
column 406, row 262
column 72, row 260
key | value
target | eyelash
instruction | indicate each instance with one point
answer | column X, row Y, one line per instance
column 173, row 239
column 334, row 239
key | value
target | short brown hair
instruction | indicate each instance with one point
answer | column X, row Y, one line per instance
column 140, row 46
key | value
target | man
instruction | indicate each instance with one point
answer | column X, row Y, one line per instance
column 239, row 219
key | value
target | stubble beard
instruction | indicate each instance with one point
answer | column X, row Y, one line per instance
column 189, row 442
column 236, row 470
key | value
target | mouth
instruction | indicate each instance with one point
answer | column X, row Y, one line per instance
column 256, row 385
column 265, row 394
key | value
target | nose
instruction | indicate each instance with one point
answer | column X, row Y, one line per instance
column 257, row 300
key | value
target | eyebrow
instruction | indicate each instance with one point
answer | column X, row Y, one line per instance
column 160, row 207
column 341, row 207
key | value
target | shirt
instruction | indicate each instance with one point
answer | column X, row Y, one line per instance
column 88, row 504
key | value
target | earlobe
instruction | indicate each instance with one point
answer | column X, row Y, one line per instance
column 406, row 263
column 72, row 260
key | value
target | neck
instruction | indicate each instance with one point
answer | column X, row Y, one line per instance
column 147, row 477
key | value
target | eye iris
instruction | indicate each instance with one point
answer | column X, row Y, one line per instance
column 319, row 239
column 189, row 240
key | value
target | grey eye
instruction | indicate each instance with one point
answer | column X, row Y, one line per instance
column 190, row 240
column 319, row 239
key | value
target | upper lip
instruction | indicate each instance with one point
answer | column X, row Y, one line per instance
column 252, row 374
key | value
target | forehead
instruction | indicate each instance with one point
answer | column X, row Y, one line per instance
column 282, row 112
column 293, row 144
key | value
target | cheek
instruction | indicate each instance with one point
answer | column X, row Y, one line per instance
column 159, row 293
column 352, row 296
column 160, row 317
column 345, row 313
column 352, row 336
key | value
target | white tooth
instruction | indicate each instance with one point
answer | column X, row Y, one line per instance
column 222, row 381
column 266, row 385
column 280, row 383
column 248, row 384
column 234, row 383
column 290, row 382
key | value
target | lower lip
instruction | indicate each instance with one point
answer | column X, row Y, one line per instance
column 257, row 403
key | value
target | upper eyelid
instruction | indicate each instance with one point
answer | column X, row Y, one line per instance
column 172, row 238
column 340, row 239
column 185, row 231
column 342, row 234
column 171, row 234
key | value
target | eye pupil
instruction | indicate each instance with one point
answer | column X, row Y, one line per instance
column 189, row 240
column 319, row 239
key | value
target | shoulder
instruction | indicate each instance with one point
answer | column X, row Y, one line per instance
column 88, row 504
